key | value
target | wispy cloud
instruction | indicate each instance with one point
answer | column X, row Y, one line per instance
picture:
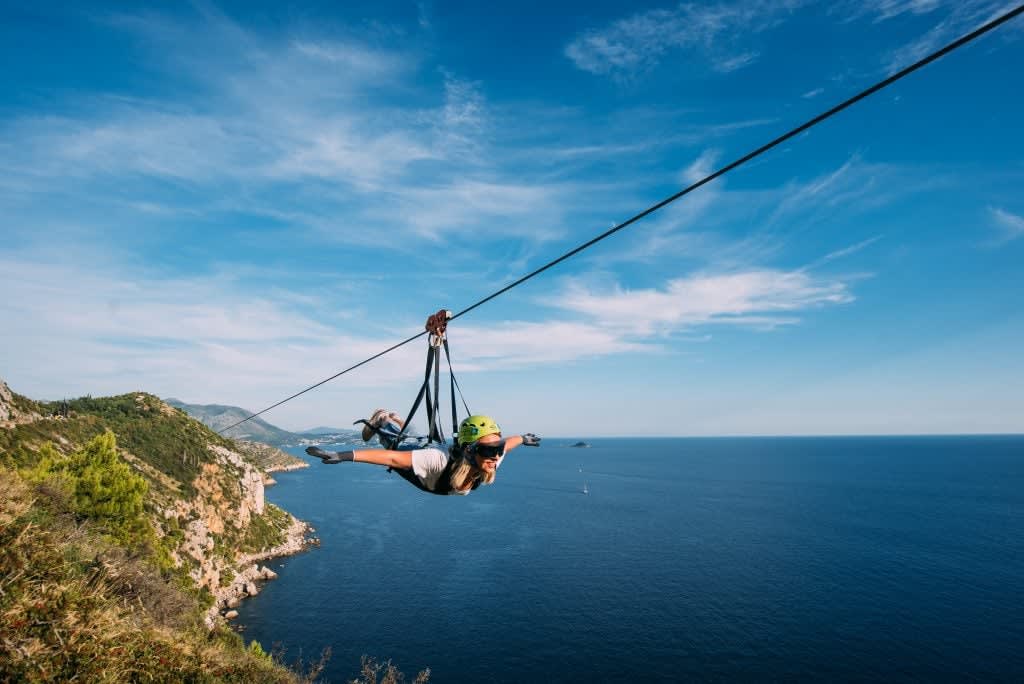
column 955, row 17
column 113, row 327
column 810, row 94
column 357, row 60
column 1009, row 225
column 695, row 228
column 881, row 10
column 293, row 119
column 732, row 63
column 463, row 204
column 845, row 251
column 713, row 32
column 758, row 299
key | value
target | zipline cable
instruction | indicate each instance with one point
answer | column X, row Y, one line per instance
column 906, row 71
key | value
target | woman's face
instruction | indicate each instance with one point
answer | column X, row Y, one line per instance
column 488, row 465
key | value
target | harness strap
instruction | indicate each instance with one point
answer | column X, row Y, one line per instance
column 454, row 384
column 433, row 398
column 419, row 398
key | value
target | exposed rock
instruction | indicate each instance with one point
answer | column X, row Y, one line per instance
column 9, row 412
column 5, row 402
column 248, row 572
column 229, row 494
column 231, row 614
column 233, row 602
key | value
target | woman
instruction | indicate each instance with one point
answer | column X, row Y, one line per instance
column 473, row 461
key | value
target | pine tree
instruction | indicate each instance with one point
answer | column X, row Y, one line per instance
column 105, row 488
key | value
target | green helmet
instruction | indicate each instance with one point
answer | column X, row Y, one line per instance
column 475, row 427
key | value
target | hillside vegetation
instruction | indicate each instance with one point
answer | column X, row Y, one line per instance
column 126, row 529
column 121, row 519
column 78, row 603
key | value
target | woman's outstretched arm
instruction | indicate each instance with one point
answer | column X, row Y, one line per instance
column 529, row 439
column 384, row 457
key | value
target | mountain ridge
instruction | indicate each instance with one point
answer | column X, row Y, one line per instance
column 219, row 416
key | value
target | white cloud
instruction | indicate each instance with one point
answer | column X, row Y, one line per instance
column 640, row 41
column 340, row 152
column 958, row 17
column 701, row 167
column 93, row 325
column 760, row 299
column 265, row 117
column 846, row 251
column 1010, row 226
column 888, row 9
column 356, row 60
column 810, row 94
column 463, row 204
column 732, row 63
column 525, row 343
column 690, row 228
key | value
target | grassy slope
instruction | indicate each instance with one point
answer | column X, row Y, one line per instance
column 73, row 602
column 75, row 605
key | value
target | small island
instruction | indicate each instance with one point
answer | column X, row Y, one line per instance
column 581, row 445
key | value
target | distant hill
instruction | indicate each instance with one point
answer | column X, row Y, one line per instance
column 321, row 430
column 217, row 417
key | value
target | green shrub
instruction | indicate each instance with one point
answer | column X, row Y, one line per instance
column 105, row 489
column 76, row 606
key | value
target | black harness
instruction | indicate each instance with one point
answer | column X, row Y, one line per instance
column 444, row 480
column 435, row 436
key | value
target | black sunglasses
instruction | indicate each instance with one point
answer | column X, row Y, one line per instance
column 494, row 450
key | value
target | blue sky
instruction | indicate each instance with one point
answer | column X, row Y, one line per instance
column 227, row 202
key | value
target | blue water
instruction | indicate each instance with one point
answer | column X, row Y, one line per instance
column 706, row 559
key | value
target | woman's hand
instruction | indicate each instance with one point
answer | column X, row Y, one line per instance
column 330, row 456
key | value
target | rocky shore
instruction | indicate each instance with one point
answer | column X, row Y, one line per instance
column 268, row 480
column 285, row 468
column 249, row 575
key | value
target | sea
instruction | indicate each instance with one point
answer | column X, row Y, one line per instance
column 665, row 560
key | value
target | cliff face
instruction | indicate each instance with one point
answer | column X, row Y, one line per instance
column 15, row 409
column 228, row 493
column 5, row 402
column 219, row 544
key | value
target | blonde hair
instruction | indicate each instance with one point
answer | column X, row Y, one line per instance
column 465, row 473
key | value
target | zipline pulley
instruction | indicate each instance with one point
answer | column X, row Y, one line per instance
column 437, row 326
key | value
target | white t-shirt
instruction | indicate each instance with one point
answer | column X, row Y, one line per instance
column 429, row 463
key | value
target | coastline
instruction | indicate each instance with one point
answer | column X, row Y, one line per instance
column 268, row 480
column 249, row 575
column 285, row 468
